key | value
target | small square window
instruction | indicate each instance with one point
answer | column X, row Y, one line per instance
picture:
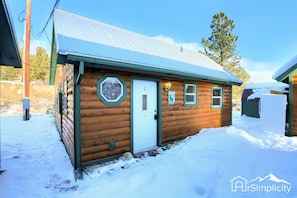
column 217, row 97
column 190, row 97
column 217, row 92
column 190, row 89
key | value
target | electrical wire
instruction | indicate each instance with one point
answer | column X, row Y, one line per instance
column 19, row 17
column 47, row 38
column 49, row 18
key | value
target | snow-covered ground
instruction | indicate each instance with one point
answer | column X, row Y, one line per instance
column 220, row 162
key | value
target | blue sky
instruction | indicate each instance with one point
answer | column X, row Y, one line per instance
column 267, row 30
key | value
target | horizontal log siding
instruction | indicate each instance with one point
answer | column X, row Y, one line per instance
column 179, row 121
column 294, row 107
column 101, row 124
column 58, row 120
column 59, row 78
column 68, row 116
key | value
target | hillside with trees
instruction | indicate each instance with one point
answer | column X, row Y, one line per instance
column 11, row 86
column 39, row 68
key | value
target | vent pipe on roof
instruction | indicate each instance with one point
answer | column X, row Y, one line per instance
column 181, row 49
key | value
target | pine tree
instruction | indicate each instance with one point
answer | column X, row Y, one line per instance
column 39, row 65
column 221, row 47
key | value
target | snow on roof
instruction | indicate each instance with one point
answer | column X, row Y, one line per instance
column 76, row 35
column 265, row 88
column 285, row 69
column 270, row 85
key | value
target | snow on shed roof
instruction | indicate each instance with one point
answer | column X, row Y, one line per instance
column 286, row 69
column 271, row 85
column 79, row 36
column 265, row 88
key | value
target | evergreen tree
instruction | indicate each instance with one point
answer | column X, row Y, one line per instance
column 39, row 65
column 221, row 47
column 39, row 68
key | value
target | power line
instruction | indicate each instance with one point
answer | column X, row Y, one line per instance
column 19, row 17
column 47, row 38
column 49, row 18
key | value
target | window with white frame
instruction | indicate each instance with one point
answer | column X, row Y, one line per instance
column 217, row 97
column 190, row 97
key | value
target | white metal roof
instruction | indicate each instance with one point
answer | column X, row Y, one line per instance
column 76, row 35
column 285, row 69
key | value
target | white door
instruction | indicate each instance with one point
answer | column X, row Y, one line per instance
column 144, row 115
column 273, row 113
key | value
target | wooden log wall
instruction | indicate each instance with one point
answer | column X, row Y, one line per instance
column 294, row 105
column 68, row 115
column 57, row 112
column 180, row 121
column 101, row 124
column 58, row 85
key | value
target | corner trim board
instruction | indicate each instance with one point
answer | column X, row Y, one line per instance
column 81, row 72
column 77, row 118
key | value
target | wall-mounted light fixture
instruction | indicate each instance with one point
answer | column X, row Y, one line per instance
column 167, row 86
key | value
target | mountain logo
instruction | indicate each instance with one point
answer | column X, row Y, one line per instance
column 269, row 183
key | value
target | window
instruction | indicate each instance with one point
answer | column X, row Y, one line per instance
column 190, row 97
column 111, row 89
column 217, row 97
column 144, row 102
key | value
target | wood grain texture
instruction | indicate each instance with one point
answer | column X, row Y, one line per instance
column 68, row 116
column 179, row 121
column 101, row 124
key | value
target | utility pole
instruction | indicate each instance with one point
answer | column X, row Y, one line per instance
column 26, row 65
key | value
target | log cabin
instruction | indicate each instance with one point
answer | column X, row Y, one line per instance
column 288, row 74
column 120, row 91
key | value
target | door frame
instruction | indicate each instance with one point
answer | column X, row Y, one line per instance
column 159, row 108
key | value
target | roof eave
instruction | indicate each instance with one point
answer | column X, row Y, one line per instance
column 9, row 49
column 119, row 65
column 284, row 75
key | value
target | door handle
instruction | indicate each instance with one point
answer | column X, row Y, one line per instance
column 156, row 116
